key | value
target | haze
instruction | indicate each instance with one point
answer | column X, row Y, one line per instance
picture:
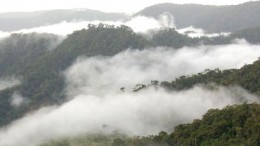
column 106, row 6
column 93, row 87
column 94, row 93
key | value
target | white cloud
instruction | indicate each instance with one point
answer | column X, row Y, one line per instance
column 93, row 87
column 4, row 35
column 198, row 32
column 166, row 20
column 18, row 100
column 8, row 82
column 146, row 112
column 134, row 66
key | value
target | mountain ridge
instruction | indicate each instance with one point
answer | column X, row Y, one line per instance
column 13, row 21
column 210, row 18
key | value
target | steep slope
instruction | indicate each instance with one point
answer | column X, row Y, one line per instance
column 42, row 81
column 246, row 77
column 231, row 126
column 40, row 68
column 19, row 51
column 209, row 18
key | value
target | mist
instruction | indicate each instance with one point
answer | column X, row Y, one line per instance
column 147, row 112
column 166, row 20
column 18, row 100
column 8, row 82
column 3, row 35
column 96, row 104
column 131, row 67
column 198, row 32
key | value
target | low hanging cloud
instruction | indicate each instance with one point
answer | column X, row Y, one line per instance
column 143, row 113
column 198, row 32
column 4, row 35
column 64, row 28
column 8, row 82
column 166, row 20
column 128, row 68
column 17, row 100
column 95, row 99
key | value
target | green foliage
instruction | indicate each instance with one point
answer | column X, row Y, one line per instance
column 251, row 35
column 44, row 80
column 246, row 77
column 40, row 68
column 20, row 51
column 233, row 125
column 38, row 62
column 171, row 38
column 89, row 140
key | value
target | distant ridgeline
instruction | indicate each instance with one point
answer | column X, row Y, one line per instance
column 40, row 69
column 247, row 77
column 209, row 18
column 232, row 126
column 14, row 21
column 38, row 61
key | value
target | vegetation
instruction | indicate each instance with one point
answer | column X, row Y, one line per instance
column 246, row 77
column 40, row 68
column 20, row 51
column 38, row 60
column 231, row 126
column 171, row 38
column 209, row 18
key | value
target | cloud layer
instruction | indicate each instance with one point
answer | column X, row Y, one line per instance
column 96, row 104
column 128, row 68
column 143, row 113
column 8, row 82
column 166, row 20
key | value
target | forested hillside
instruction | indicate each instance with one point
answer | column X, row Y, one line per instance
column 231, row 126
column 40, row 69
column 19, row 51
column 209, row 18
column 183, row 74
column 37, row 60
column 246, row 77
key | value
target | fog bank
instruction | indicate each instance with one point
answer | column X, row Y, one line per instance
column 143, row 113
column 131, row 67
column 166, row 20
column 96, row 104
column 8, row 82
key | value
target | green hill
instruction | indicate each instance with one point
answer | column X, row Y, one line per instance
column 210, row 18
column 40, row 70
column 38, row 61
column 246, row 77
column 232, row 126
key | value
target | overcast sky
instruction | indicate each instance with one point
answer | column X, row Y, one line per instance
column 126, row 6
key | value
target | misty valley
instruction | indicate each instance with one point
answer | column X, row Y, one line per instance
column 168, row 75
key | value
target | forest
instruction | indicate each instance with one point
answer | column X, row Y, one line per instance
column 38, row 60
column 231, row 126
